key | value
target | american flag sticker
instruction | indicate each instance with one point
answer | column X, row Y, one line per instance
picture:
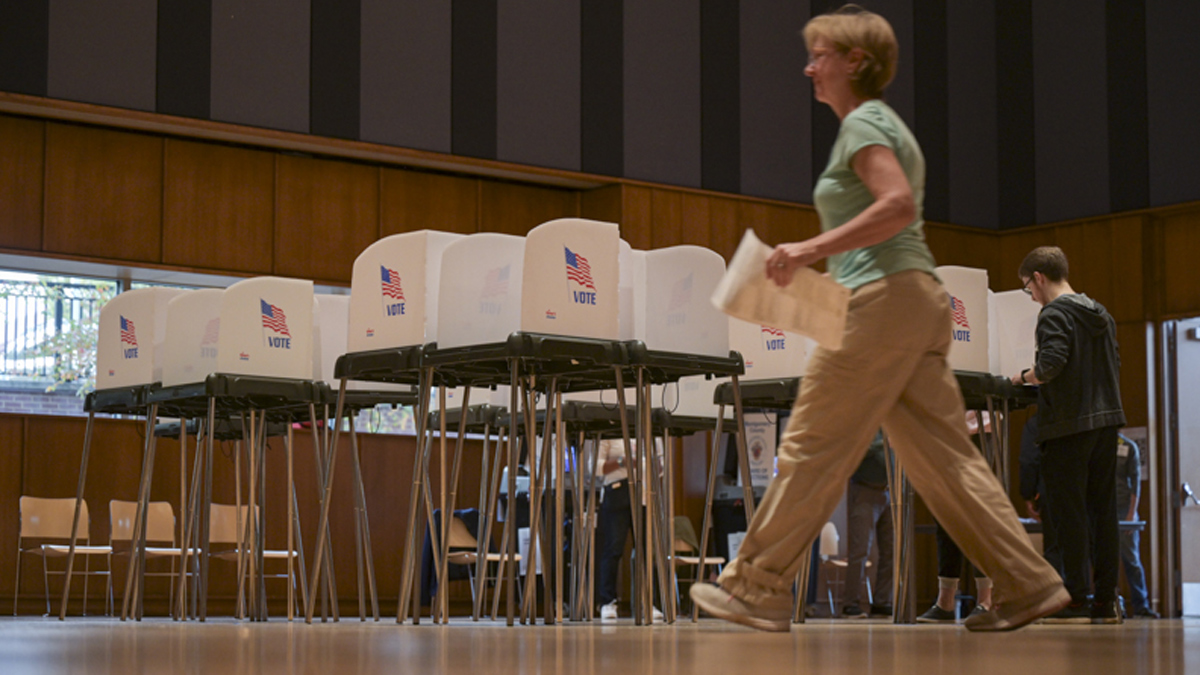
column 212, row 331
column 681, row 294
column 771, row 332
column 274, row 319
column 391, row 283
column 959, row 312
column 578, row 269
column 128, row 335
column 496, row 282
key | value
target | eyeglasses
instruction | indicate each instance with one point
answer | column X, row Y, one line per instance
column 1026, row 288
column 816, row 55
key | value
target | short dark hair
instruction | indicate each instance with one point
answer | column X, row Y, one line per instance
column 1049, row 260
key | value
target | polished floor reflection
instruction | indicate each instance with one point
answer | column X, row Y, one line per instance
column 226, row 647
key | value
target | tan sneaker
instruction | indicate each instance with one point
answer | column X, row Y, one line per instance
column 772, row 616
column 1017, row 613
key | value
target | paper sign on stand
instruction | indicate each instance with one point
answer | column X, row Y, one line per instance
column 266, row 328
column 133, row 328
column 193, row 333
column 571, row 278
column 760, row 445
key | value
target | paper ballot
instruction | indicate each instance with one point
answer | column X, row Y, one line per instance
column 813, row 305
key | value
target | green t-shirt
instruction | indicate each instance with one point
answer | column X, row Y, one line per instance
column 840, row 196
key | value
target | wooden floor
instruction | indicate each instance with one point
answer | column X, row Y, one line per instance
column 228, row 647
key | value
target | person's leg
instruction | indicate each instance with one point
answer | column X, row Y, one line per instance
column 860, row 528
column 1134, row 574
column 613, row 522
column 843, row 397
column 1102, row 509
column 950, row 565
column 885, row 540
column 1064, row 471
column 928, row 431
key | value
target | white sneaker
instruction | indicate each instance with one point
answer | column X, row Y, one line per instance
column 656, row 615
column 609, row 612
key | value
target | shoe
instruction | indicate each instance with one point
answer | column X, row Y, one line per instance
column 1074, row 613
column 774, row 616
column 936, row 614
column 1146, row 613
column 810, row 611
column 656, row 615
column 609, row 612
column 1106, row 613
column 881, row 610
column 1017, row 613
column 979, row 609
column 853, row 612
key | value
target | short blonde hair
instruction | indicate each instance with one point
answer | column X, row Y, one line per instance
column 851, row 27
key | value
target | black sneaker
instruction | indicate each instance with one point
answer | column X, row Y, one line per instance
column 1146, row 613
column 979, row 609
column 1074, row 613
column 936, row 614
column 881, row 610
column 853, row 612
column 1106, row 612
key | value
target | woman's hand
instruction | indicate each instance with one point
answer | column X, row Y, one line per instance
column 787, row 258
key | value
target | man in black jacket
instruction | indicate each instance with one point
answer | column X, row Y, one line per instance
column 1079, row 411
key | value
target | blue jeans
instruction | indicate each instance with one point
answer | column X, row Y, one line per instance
column 1132, row 562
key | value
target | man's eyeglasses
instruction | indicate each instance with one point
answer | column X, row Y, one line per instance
column 1026, row 288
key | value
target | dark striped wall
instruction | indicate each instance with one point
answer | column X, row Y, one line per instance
column 1029, row 112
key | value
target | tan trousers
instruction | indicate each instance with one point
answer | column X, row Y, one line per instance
column 891, row 372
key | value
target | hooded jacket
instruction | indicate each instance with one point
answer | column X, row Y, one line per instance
column 1079, row 368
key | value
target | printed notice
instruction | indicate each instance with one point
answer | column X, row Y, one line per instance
column 812, row 305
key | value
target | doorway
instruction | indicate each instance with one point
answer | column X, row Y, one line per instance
column 1181, row 436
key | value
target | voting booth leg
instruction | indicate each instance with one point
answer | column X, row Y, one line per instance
column 743, row 454
column 560, row 489
column 802, row 578
column 706, row 524
column 414, row 501
column 295, row 536
column 363, row 523
column 204, row 513
column 451, row 504
column 593, row 497
column 189, row 548
column 485, row 524
column 129, row 604
column 635, row 503
column 83, row 462
column 510, row 515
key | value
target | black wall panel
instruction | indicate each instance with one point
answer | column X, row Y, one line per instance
column 24, row 46
column 971, row 113
column 473, row 78
column 334, row 82
column 931, row 94
column 1128, row 117
column 184, row 74
column 1014, row 113
column 776, row 101
column 720, row 96
column 662, row 91
column 1071, row 111
column 1173, row 69
column 538, row 83
column 260, row 63
column 405, row 74
column 103, row 52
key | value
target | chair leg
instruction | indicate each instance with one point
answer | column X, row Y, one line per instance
column 46, row 582
column 17, row 583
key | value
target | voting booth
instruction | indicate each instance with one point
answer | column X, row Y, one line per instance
column 331, row 315
column 133, row 328
column 967, row 289
column 193, row 334
column 1014, row 331
column 479, row 299
column 394, row 291
column 267, row 328
column 571, row 278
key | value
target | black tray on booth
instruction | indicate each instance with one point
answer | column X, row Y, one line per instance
column 685, row 425
column 767, row 394
column 578, row 363
column 228, row 429
column 282, row 398
column 480, row 418
column 118, row 400
column 662, row 367
column 398, row 365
